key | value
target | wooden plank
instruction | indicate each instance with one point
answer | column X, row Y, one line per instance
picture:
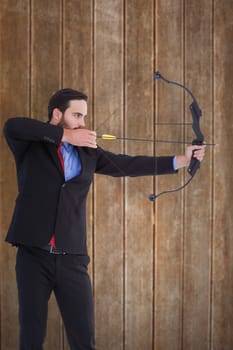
column 78, row 46
column 108, row 192
column 14, row 65
column 46, row 56
column 197, row 240
column 222, row 306
column 77, row 74
column 139, row 240
column 169, row 218
column 45, row 77
column 176, row 262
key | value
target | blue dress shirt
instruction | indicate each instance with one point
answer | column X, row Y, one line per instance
column 72, row 164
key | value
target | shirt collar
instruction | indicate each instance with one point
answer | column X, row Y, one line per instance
column 68, row 147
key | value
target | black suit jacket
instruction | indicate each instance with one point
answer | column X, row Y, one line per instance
column 48, row 205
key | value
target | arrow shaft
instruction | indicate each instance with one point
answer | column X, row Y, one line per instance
column 113, row 138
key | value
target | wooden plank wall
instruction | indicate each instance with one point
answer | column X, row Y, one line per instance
column 161, row 272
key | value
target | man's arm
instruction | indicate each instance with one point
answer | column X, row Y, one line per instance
column 80, row 137
column 125, row 165
column 27, row 129
column 21, row 132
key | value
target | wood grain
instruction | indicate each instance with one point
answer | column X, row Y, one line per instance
column 108, row 192
column 169, row 209
column 222, row 306
column 162, row 272
column 198, row 233
column 45, row 79
column 14, row 100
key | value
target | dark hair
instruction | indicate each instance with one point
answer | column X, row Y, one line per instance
column 61, row 100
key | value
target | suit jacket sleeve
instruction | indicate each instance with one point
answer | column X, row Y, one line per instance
column 20, row 132
column 124, row 165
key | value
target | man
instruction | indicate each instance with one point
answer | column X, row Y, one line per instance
column 55, row 164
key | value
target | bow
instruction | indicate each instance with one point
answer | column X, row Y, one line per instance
column 196, row 114
column 198, row 140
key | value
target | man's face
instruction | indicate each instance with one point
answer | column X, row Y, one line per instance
column 74, row 115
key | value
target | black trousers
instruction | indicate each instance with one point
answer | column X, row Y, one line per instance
column 38, row 273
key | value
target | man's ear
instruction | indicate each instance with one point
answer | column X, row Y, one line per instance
column 56, row 116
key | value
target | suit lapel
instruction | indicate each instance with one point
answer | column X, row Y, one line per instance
column 52, row 150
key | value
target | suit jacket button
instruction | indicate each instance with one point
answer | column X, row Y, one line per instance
column 63, row 185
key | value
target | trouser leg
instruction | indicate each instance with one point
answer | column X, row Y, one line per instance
column 74, row 296
column 34, row 271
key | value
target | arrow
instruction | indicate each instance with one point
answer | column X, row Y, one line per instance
column 113, row 138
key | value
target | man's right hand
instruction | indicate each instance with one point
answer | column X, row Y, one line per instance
column 80, row 137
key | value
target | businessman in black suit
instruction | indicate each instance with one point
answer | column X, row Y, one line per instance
column 55, row 163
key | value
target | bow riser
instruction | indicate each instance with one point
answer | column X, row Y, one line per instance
column 196, row 114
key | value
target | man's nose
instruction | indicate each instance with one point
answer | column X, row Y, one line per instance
column 81, row 122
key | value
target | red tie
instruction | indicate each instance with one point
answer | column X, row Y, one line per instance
column 52, row 241
column 60, row 155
